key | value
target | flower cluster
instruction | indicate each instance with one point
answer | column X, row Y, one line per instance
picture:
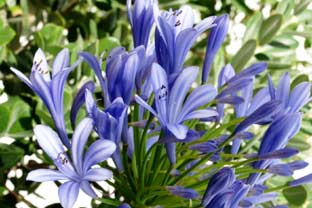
column 160, row 129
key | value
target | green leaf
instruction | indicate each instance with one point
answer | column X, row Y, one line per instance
column 299, row 143
column 299, row 79
column 252, row 26
column 9, row 155
column 278, row 66
column 108, row 43
column 301, row 6
column 2, row 3
column 50, row 36
column 6, row 35
column 243, row 55
column 15, row 118
column 269, row 28
column 285, row 7
column 295, row 195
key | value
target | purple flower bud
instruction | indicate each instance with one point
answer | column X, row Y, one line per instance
column 218, row 183
column 279, row 154
column 303, row 180
column 215, row 40
column 186, row 193
column 281, row 169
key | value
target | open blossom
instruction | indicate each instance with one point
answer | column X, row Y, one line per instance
column 175, row 34
column 76, row 170
column 171, row 110
column 50, row 89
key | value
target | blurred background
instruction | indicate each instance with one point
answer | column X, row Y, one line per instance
column 276, row 31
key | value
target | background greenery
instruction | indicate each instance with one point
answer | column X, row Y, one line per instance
column 279, row 32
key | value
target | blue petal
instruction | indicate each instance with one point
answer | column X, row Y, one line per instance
column 160, row 87
column 218, row 183
column 179, row 90
column 250, row 71
column 226, row 73
column 241, row 109
column 265, row 111
column 186, row 193
column 221, row 200
column 298, row 164
column 42, row 175
column 178, row 130
column 230, row 99
column 235, row 86
column 283, row 88
column 279, row 154
column 128, row 76
column 79, row 100
column 68, row 193
column 22, row 77
column 198, row 114
column 279, row 132
column 301, row 181
column 98, row 151
column 86, row 187
column 98, row 174
column 95, row 65
column 259, row 99
column 124, row 205
column 280, row 169
column 299, row 96
column 272, row 89
column 205, row 147
column 141, row 102
column 49, row 141
column 199, row 97
column 61, row 61
column 215, row 40
column 79, row 140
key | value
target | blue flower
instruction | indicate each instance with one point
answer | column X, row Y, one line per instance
column 50, row 89
column 216, row 37
column 171, row 110
column 175, row 34
column 108, row 123
column 121, row 70
column 292, row 101
column 186, row 193
column 141, row 18
column 77, row 171
column 275, row 138
column 219, row 183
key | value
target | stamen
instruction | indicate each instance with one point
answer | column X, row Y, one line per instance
column 177, row 23
column 179, row 12
column 163, row 93
column 61, row 157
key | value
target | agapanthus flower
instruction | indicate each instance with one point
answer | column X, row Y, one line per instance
column 77, row 171
column 171, row 110
column 292, row 101
column 224, row 190
column 108, row 123
column 120, row 73
column 175, row 34
column 276, row 137
column 141, row 19
column 216, row 37
column 183, row 192
column 50, row 89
